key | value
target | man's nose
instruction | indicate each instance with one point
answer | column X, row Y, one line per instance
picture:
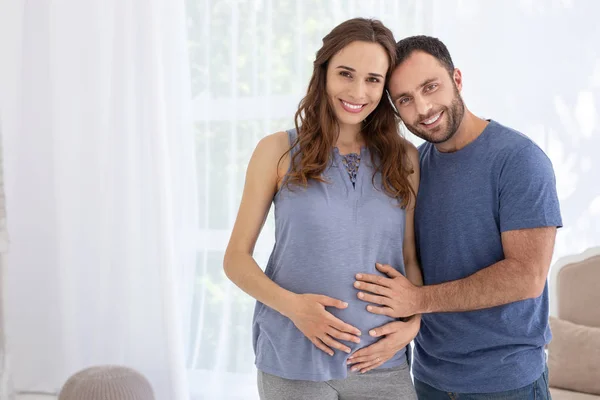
column 423, row 106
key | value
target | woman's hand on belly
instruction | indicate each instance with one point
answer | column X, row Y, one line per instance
column 308, row 313
column 394, row 337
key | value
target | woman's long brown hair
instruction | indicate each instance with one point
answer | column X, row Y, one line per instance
column 317, row 124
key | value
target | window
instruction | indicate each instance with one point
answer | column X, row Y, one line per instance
column 251, row 62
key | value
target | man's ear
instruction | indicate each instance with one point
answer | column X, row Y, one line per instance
column 457, row 76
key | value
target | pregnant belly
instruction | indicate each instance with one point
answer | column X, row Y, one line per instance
column 338, row 286
column 357, row 316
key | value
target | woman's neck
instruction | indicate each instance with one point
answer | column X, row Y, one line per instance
column 350, row 139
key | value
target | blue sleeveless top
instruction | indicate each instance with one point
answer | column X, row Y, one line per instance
column 324, row 235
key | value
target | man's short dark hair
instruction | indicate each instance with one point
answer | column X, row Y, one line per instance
column 430, row 45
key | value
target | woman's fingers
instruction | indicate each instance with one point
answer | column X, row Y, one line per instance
column 317, row 342
column 342, row 335
column 329, row 341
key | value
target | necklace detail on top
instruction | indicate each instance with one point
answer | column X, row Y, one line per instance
column 351, row 162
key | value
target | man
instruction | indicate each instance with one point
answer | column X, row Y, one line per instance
column 485, row 224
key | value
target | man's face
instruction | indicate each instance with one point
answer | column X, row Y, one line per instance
column 427, row 97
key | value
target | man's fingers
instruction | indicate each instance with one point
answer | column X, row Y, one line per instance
column 388, row 270
column 343, row 335
column 331, row 302
column 389, row 328
column 373, row 288
column 328, row 340
column 369, row 351
column 317, row 342
column 381, row 311
column 365, row 366
column 342, row 326
column 370, row 367
column 371, row 298
column 376, row 279
column 357, row 359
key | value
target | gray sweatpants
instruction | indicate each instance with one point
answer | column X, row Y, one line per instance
column 378, row 384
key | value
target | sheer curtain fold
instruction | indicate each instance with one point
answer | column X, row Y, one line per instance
column 6, row 389
column 101, row 193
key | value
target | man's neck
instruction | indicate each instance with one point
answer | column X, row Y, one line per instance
column 470, row 128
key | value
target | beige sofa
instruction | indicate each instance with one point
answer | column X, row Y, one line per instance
column 574, row 353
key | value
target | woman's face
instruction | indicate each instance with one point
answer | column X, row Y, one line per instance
column 355, row 81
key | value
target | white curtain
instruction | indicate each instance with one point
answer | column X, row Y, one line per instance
column 6, row 392
column 100, row 191
column 8, row 45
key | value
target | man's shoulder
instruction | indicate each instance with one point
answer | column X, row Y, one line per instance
column 507, row 140
column 517, row 153
column 423, row 150
column 499, row 143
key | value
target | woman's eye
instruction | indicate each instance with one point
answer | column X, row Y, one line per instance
column 346, row 74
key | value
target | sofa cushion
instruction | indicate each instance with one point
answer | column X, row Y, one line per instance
column 574, row 357
column 577, row 290
column 560, row 394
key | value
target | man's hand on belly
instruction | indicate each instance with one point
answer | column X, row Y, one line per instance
column 394, row 337
column 396, row 295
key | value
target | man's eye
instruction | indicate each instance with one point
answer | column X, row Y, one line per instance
column 431, row 87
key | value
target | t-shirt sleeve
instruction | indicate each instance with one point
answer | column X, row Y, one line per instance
column 527, row 191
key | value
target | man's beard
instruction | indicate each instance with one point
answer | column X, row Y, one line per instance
column 454, row 115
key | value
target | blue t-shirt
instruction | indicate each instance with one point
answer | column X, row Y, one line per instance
column 501, row 181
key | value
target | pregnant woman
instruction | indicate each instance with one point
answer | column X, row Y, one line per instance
column 343, row 184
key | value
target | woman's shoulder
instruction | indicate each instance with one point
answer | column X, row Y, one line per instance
column 411, row 151
column 273, row 150
column 274, row 145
